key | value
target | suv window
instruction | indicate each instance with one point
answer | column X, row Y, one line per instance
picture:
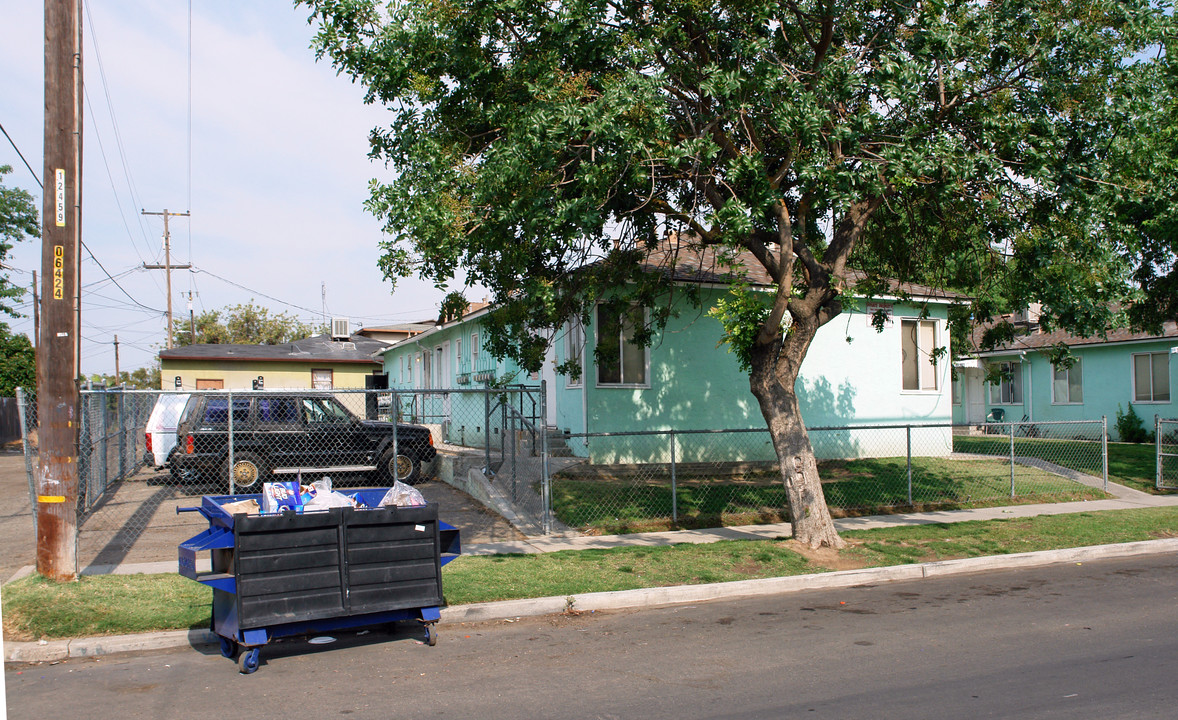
column 217, row 410
column 278, row 410
column 321, row 410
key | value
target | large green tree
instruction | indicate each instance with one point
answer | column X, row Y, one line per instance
column 18, row 221
column 548, row 148
column 246, row 324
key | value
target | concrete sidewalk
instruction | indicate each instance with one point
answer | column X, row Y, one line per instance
column 1124, row 499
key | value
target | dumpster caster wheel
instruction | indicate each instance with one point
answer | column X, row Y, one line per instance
column 247, row 662
column 228, row 648
column 431, row 635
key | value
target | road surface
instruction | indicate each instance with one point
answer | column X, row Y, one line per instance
column 1066, row 641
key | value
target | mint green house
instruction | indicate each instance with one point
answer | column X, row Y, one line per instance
column 1125, row 369
column 853, row 375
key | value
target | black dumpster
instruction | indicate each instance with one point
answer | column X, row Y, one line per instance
column 283, row 574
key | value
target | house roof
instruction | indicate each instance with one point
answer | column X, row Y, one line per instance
column 692, row 263
column 689, row 263
column 1035, row 340
column 412, row 328
column 320, row 348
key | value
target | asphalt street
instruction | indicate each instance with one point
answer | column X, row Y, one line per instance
column 1077, row 640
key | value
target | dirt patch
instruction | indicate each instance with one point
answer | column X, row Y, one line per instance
column 828, row 557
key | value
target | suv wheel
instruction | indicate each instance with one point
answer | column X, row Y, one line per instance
column 249, row 471
column 407, row 469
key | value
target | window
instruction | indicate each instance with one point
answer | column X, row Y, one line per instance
column 1008, row 390
column 1151, row 377
column 917, row 340
column 574, row 340
column 458, row 352
column 955, row 383
column 402, row 369
column 621, row 361
column 321, row 379
column 474, row 352
column 277, row 410
column 210, row 384
column 323, row 410
column 1067, row 384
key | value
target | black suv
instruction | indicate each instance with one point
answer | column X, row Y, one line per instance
column 291, row 432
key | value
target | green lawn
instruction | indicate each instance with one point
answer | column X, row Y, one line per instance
column 1129, row 464
column 35, row 608
column 639, row 498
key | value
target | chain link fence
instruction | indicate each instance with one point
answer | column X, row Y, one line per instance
column 1166, row 443
column 486, row 456
column 636, row 482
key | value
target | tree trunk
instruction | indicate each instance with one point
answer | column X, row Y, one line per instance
column 774, row 373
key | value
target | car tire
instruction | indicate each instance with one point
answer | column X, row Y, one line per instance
column 249, row 471
column 408, row 469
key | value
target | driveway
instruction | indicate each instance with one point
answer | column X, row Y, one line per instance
column 138, row 522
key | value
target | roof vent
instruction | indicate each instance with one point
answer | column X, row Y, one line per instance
column 340, row 328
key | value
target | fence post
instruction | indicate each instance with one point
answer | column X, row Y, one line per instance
column 545, row 481
column 1104, row 447
column 103, row 448
column 22, row 412
column 122, row 405
column 229, row 420
column 674, row 485
column 1157, row 446
column 908, row 433
column 396, row 448
column 1012, row 458
column 487, row 429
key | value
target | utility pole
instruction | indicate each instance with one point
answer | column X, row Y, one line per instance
column 191, row 320
column 118, row 378
column 56, row 479
column 36, row 315
column 167, row 262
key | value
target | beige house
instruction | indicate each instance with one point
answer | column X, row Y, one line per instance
column 319, row 362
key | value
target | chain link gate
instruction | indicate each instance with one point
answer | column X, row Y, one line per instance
column 1166, row 443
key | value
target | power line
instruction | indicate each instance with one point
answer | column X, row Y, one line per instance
column 22, row 157
column 116, row 282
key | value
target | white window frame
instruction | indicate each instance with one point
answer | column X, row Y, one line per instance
column 1014, row 382
column 458, row 353
column 621, row 344
column 574, row 345
column 1077, row 368
column 474, row 352
column 1153, row 396
column 929, row 366
column 317, row 383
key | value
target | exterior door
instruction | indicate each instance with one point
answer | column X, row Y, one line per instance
column 975, row 400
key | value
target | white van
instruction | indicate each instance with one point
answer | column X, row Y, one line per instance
column 161, row 428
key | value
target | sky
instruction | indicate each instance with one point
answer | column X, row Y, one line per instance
column 274, row 171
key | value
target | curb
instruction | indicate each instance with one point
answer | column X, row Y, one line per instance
column 58, row 650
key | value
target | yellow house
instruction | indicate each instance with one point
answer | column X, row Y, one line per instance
column 319, row 362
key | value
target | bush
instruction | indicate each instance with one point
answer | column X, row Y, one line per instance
column 1130, row 428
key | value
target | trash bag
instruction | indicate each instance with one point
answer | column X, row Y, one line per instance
column 326, row 498
column 402, row 495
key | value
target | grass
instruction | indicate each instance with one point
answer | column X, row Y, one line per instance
column 622, row 499
column 1129, row 464
column 36, row 608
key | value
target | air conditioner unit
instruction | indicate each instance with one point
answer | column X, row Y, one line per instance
column 340, row 329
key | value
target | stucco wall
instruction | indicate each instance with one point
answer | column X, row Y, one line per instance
column 1107, row 373
column 239, row 375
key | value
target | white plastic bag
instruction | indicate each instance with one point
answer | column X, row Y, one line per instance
column 402, row 495
column 326, row 498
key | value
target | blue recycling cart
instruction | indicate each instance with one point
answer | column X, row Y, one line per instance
column 287, row 574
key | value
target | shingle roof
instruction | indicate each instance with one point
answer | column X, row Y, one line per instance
column 691, row 263
column 320, row 348
column 1040, row 340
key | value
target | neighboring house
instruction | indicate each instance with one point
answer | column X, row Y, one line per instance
column 321, row 362
column 1125, row 369
column 395, row 333
column 852, row 375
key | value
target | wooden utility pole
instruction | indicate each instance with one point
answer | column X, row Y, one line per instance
column 36, row 315
column 167, row 262
column 118, row 378
column 56, row 480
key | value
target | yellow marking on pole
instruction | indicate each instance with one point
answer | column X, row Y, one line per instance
column 51, row 498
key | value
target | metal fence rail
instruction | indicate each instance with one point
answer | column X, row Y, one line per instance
column 495, row 450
